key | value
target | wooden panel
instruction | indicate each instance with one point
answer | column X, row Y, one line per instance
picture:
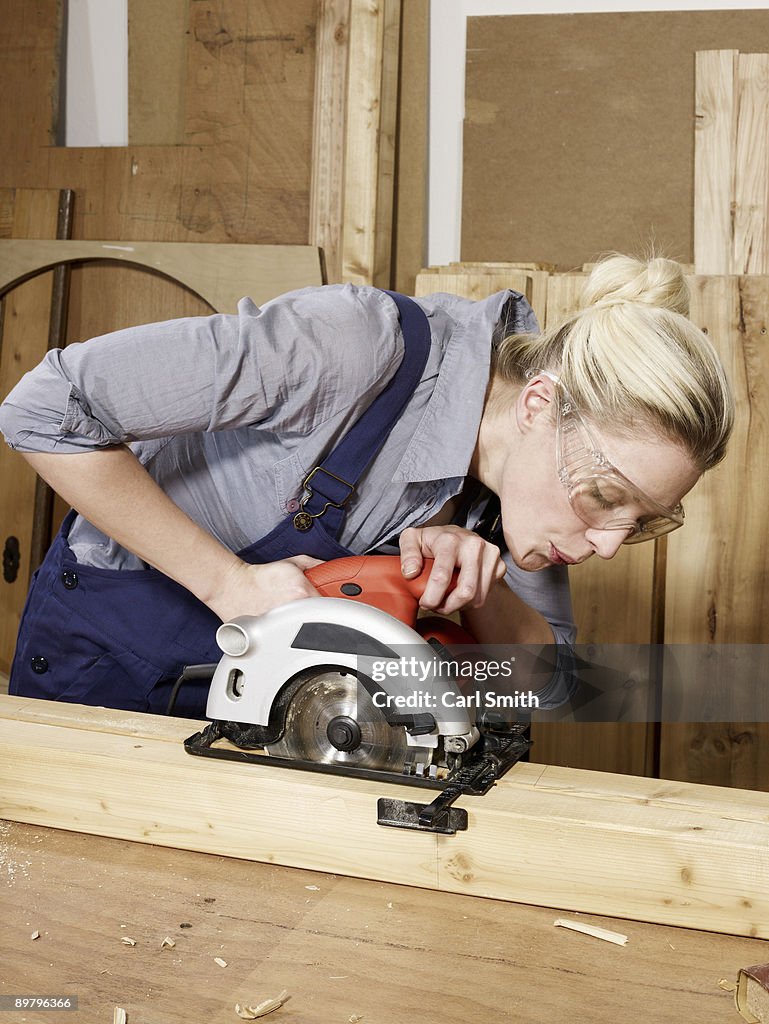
column 592, row 842
column 157, row 58
column 219, row 274
column 714, row 155
column 717, row 586
column 26, row 321
column 583, row 142
column 612, row 607
column 751, row 171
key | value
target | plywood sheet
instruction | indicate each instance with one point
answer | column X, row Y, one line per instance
column 579, row 131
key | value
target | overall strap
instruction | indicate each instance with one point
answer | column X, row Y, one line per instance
column 329, row 485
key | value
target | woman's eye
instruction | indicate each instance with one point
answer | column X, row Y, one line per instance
column 603, row 500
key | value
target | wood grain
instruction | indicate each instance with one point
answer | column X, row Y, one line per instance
column 717, row 581
column 341, row 946
column 715, row 139
column 328, row 133
column 751, row 171
column 26, row 321
column 219, row 274
column 666, row 852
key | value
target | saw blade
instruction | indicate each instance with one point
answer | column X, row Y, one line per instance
column 332, row 719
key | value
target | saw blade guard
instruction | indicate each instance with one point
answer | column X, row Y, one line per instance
column 262, row 653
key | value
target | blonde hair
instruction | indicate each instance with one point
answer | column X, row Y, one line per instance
column 632, row 360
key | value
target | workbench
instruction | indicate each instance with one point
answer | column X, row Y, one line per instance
column 342, row 947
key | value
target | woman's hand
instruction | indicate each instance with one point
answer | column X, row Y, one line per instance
column 254, row 589
column 479, row 563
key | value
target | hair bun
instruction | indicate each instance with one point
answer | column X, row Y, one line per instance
column 620, row 279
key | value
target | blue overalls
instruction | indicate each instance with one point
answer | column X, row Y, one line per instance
column 120, row 639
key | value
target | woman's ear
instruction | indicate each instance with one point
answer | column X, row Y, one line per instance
column 536, row 398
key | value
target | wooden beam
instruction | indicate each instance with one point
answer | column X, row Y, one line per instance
column 219, row 273
column 651, row 850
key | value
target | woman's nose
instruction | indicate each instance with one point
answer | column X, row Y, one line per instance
column 606, row 543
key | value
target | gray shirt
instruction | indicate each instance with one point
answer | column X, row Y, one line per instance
column 229, row 413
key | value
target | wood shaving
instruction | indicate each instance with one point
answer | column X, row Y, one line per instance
column 727, row 986
column 252, row 1012
column 167, row 943
column 119, row 1015
column 128, row 941
column 590, row 929
column 313, row 888
column 35, row 935
column 355, row 1017
column 218, row 960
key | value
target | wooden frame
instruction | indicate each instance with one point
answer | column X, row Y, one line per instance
column 670, row 853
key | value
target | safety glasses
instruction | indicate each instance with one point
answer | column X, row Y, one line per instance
column 601, row 496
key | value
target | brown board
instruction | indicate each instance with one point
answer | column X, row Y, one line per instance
column 579, row 131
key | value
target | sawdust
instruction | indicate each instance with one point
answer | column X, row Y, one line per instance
column 10, row 866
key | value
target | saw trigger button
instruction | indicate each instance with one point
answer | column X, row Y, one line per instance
column 69, row 579
column 351, row 589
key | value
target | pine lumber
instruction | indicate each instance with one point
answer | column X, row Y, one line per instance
column 751, row 173
column 650, row 850
column 714, row 156
column 220, row 274
column 371, row 114
column 328, row 133
column 717, row 584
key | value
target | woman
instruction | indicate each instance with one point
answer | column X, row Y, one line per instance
column 232, row 452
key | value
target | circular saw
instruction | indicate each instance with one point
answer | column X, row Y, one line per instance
column 353, row 682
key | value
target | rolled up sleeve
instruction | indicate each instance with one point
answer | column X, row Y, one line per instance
column 311, row 349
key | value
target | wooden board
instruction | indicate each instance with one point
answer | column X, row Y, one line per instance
column 714, row 156
column 672, row 853
column 340, row 946
column 26, row 313
column 219, row 274
column 372, row 88
column 612, row 606
column 717, row 586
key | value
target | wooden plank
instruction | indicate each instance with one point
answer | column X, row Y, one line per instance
column 411, row 175
column 26, row 320
column 751, row 173
column 612, row 606
column 715, row 138
column 328, row 137
column 371, row 111
column 478, row 280
column 220, row 274
column 655, row 851
column 717, row 585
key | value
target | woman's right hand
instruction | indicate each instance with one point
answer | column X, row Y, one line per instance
column 254, row 589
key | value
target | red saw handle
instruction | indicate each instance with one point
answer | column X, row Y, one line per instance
column 377, row 580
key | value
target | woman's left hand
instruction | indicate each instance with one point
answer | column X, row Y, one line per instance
column 479, row 563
